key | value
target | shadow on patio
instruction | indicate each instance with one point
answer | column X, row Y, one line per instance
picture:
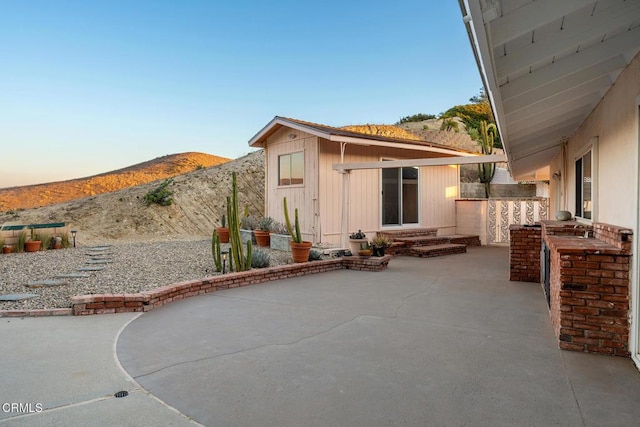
column 443, row 341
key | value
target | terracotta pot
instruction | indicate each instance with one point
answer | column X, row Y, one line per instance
column 300, row 251
column 223, row 233
column 57, row 246
column 32, row 246
column 263, row 238
column 7, row 249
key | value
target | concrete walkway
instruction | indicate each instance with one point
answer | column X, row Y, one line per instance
column 446, row 341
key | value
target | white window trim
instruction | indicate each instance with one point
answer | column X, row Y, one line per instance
column 304, row 172
column 402, row 226
column 593, row 147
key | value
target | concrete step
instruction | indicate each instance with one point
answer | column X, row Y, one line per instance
column 414, row 241
column 410, row 232
column 436, row 250
column 463, row 239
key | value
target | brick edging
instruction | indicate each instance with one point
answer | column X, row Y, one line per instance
column 148, row 300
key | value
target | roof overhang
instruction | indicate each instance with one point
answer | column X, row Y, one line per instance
column 259, row 140
column 546, row 64
column 440, row 161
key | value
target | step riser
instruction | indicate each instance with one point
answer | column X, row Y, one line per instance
column 437, row 252
column 469, row 241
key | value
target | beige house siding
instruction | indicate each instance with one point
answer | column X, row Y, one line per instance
column 440, row 188
column 436, row 210
column 614, row 123
column 305, row 196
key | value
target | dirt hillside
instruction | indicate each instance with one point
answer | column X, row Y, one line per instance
column 31, row 196
column 200, row 201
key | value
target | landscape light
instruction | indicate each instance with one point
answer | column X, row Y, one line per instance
column 224, row 261
column 73, row 234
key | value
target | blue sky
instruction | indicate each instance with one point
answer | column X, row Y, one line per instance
column 91, row 86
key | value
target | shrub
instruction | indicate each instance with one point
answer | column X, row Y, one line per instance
column 279, row 228
column 315, row 255
column 46, row 240
column 248, row 223
column 261, row 259
column 266, row 223
column 415, row 118
column 65, row 241
column 161, row 195
column 22, row 238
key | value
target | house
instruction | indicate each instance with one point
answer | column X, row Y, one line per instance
column 563, row 78
column 303, row 164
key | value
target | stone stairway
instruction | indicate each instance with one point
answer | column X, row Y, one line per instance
column 425, row 243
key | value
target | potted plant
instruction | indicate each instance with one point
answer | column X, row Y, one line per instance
column 379, row 244
column 223, row 231
column 263, row 232
column 355, row 240
column 279, row 238
column 6, row 249
column 33, row 244
column 299, row 249
column 57, row 242
column 365, row 250
column 247, row 226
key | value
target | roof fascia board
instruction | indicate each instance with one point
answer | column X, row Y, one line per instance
column 472, row 17
column 406, row 146
column 284, row 122
column 439, row 161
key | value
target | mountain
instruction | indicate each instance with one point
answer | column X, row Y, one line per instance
column 31, row 196
column 199, row 202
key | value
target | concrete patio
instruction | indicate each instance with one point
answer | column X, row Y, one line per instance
column 443, row 341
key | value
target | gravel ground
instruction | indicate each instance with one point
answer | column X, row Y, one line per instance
column 135, row 267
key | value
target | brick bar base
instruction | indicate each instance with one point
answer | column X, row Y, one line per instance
column 524, row 253
column 590, row 290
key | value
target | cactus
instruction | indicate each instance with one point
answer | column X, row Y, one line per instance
column 246, row 211
column 486, row 171
column 295, row 236
column 242, row 262
column 215, row 251
column 224, row 221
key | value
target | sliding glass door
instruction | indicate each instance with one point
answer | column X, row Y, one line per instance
column 400, row 196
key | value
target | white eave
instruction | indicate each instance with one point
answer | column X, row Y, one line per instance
column 339, row 136
column 546, row 64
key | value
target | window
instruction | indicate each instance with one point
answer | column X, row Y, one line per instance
column 584, row 187
column 291, row 169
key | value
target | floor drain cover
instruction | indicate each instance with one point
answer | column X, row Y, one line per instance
column 122, row 394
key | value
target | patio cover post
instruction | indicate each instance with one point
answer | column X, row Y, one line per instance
column 345, row 207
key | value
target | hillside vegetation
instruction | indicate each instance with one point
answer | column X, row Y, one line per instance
column 199, row 202
column 32, row 196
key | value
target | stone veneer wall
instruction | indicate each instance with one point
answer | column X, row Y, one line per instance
column 524, row 253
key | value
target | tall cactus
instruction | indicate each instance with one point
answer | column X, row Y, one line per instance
column 242, row 262
column 295, row 236
column 215, row 251
column 486, row 171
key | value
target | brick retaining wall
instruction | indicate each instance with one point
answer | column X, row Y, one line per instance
column 148, row 300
